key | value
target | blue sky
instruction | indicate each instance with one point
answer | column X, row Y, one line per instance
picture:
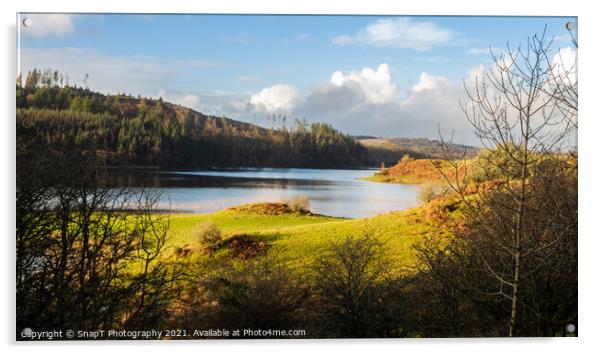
column 360, row 73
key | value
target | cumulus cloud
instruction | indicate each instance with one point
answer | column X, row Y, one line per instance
column 399, row 33
column 367, row 101
column 362, row 101
column 187, row 99
column 475, row 74
column 350, row 92
column 429, row 82
column 481, row 73
column 564, row 65
column 433, row 103
column 376, row 85
column 276, row 98
column 42, row 25
column 372, row 104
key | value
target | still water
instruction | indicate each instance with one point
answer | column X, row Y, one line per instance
column 330, row 192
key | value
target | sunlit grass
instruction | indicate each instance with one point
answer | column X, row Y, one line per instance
column 301, row 238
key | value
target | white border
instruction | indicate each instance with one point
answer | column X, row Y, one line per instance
column 590, row 197
column 376, row 7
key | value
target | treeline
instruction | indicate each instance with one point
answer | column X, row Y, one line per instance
column 127, row 130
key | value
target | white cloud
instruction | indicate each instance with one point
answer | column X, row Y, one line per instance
column 347, row 102
column 474, row 74
column 564, row 64
column 433, row 102
column 276, row 98
column 483, row 74
column 346, row 94
column 429, row 82
column 187, row 100
column 399, row 33
column 218, row 103
column 376, row 85
column 364, row 101
column 367, row 101
column 42, row 25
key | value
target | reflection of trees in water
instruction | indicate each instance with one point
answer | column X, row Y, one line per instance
column 161, row 179
column 331, row 192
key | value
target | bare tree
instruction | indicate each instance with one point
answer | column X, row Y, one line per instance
column 357, row 296
column 564, row 87
column 521, row 109
column 77, row 243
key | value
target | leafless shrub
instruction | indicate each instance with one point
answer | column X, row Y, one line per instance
column 356, row 296
column 298, row 203
column 524, row 117
column 207, row 233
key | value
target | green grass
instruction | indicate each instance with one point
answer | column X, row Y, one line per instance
column 232, row 222
column 300, row 238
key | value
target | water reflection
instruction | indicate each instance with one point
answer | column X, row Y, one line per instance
column 330, row 192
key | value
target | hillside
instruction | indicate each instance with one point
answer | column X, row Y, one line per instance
column 417, row 147
column 410, row 171
column 140, row 131
column 122, row 129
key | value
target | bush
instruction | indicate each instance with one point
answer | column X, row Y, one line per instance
column 298, row 204
column 428, row 192
column 207, row 233
column 406, row 158
column 356, row 297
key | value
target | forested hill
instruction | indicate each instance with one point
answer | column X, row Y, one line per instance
column 140, row 131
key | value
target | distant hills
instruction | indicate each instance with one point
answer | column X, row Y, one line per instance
column 125, row 130
column 130, row 130
column 417, row 147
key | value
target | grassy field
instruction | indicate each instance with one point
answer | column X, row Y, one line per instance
column 301, row 237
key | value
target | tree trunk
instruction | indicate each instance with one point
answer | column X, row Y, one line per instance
column 513, row 316
column 519, row 225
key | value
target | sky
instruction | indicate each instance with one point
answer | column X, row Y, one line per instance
column 365, row 75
